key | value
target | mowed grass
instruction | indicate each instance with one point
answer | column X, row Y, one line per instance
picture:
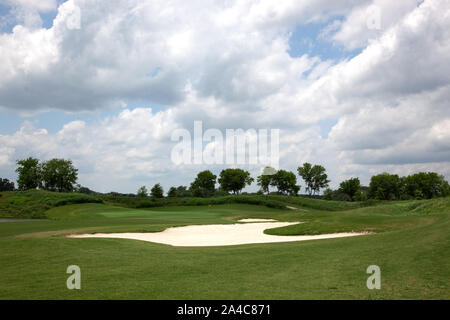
column 410, row 243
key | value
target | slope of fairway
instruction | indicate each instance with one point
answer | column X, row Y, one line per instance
column 411, row 246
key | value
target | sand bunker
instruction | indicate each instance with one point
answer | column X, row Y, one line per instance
column 216, row 235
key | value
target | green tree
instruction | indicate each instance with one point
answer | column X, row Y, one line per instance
column 314, row 176
column 285, row 182
column 328, row 194
column 58, row 175
column 265, row 179
column 172, row 192
column 335, row 195
column 234, row 180
column 29, row 174
column 6, row 185
column 182, row 191
column 425, row 185
column 385, row 186
column 157, row 191
column 142, row 192
column 85, row 190
column 204, row 185
column 350, row 187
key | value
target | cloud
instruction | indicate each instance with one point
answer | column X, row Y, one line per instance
column 227, row 64
column 41, row 5
column 369, row 20
column 235, row 52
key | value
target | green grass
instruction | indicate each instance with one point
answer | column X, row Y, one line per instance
column 411, row 244
column 34, row 203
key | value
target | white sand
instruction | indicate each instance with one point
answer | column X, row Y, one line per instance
column 216, row 235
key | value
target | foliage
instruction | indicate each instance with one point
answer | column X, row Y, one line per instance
column 234, row 180
column 265, row 179
column 285, row 182
column 172, row 192
column 204, row 184
column 385, row 186
column 29, row 174
column 53, row 175
column 180, row 191
column 425, row 185
column 157, row 191
column 6, row 185
column 58, row 175
column 85, row 190
column 335, row 195
column 221, row 193
column 314, row 176
column 350, row 187
column 142, row 192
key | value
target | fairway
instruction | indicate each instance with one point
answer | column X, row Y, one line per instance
column 410, row 242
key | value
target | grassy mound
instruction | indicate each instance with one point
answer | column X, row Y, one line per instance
column 319, row 204
column 134, row 202
column 34, row 203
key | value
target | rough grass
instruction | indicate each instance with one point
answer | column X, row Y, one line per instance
column 34, row 203
column 320, row 204
column 136, row 202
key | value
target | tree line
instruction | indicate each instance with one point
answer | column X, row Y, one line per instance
column 385, row 186
column 60, row 175
column 235, row 180
column 53, row 175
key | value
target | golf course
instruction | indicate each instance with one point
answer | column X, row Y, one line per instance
column 408, row 240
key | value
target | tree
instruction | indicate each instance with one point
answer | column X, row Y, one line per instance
column 142, row 192
column 234, row 180
column 425, row 185
column 265, row 179
column 314, row 176
column 85, row 190
column 204, row 185
column 29, row 174
column 157, row 191
column 6, row 185
column 385, row 186
column 350, row 187
column 285, row 182
column 172, row 192
column 182, row 191
column 335, row 195
column 58, row 175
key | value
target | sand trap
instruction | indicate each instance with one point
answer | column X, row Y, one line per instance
column 256, row 220
column 216, row 235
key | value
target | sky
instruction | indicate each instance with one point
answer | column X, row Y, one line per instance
column 359, row 86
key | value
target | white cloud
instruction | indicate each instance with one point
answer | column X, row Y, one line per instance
column 369, row 20
column 227, row 64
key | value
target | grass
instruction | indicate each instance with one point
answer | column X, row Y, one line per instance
column 411, row 245
column 34, row 203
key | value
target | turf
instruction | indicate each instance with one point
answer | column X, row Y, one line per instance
column 410, row 243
